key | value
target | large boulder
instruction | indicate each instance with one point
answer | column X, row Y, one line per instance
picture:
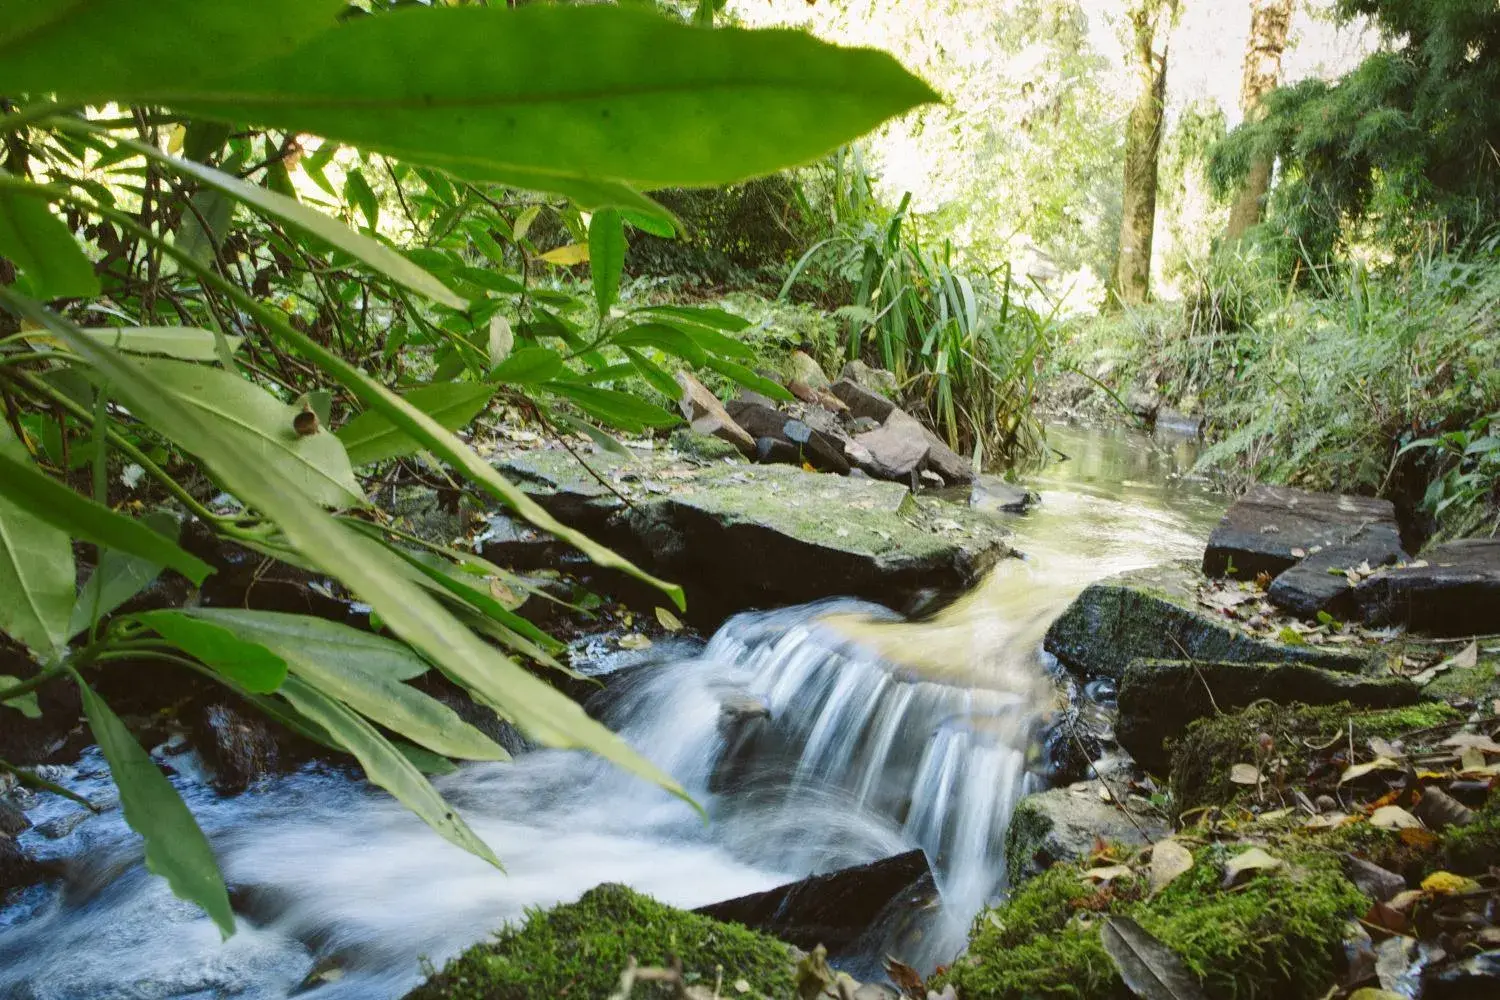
column 895, row 450
column 862, row 402
column 1066, row 824
column 1454, row 589
column 763, row 536
column 1272, row 528
column 1155, row 614
column 1159, row 699
column 833, row 910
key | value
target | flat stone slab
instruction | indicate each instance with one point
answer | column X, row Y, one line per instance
column 1155, row 614
column 1321, row 582
column 1064, row 824
column 1454, row 589
column 833, row 910
column 1159, row 699
column 741, row 536
column 1272, row 528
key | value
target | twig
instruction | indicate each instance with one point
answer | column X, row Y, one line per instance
column 1201, row 679
column 1104, row 782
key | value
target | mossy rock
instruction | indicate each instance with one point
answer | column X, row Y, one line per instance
column 1064, row 825
column 1154, row 614
column 1202, row 759
column 1474, row 849
column 1274, row 936
column 705, row 447
column 579, row 950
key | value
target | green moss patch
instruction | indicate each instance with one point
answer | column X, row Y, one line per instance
column 1475, row 847
column 1202, row 759
column 579, row 950
column 1274, row 936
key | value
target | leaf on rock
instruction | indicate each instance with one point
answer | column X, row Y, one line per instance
column 1150, row 969
column 1360, row 770
column 669, row 621
column 1247, row 863
column 1245, row 774
column 1394, row 818
column 1169, row 861
column 1106, row 873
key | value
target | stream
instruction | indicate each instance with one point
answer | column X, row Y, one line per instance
column 883, row 735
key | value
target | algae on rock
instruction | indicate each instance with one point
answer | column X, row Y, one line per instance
column 579, row 950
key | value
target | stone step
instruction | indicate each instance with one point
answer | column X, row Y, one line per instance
column 1272, row 528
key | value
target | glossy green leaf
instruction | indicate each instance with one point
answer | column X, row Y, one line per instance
column 107, row 48
column 653, row 373
column 619, row 409
column 204, row 224
column 363, row 248
column 48, row 500
column 355, row 667
column 372, row 437
column 717, row 343
column 368, row 569
column 245, row 661
column 26, row 704
column 606, row 256
column 569, row 98
column 36, row 564
column 41, row 247
column 385, row 765
column 748, row 379
column 718, row 319
column 357, row 192
column 119, row 577
column 176, row 848
column 663, row 338
column 528, row 366
column 260, row 425
column 185, row 343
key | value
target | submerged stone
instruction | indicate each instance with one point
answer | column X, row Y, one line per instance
column 1154, row 614
column 762, row 536
column 1272, row 528
column 833, row 910
column 1159, row 699
column 1454, row 589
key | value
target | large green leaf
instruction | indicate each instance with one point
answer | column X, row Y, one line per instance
column 185, row 343
column 42, row 248
column 350, row 665
column 49, row 500
column 26, row 704
column 102, row 48
column 620, row 409
column 663, row 338
column 371, row 437
column 527, row 366
column 385, row 765
column 117, row 578
column 261, row 427
column 364, row 566
column 176, row 848
column 36, row 564
column 552, row 96
column 249, row 664
column 606, row 257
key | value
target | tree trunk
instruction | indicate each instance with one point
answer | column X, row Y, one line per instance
column 1150, row 20
column 1270, row 23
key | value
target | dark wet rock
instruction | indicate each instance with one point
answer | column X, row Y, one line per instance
column 764, row 536
column 773, row 451
column 1272, row 528
column 481, row 717
column 1064, row 824
column 239, row 746
column 57, row 735
column 706, row 415
column 64, row 825
column 833, row 910
column 19, row 870
column 743, row 724
column 1453, row 589
column 1154, row 614
column 244, row 578
column 512, row 543
column 876, row 380
column 896, row 450
column 1159, row 699
column 822, row 442
column 760, row 420
column 946, row 462
column 861, row 401
column 1318, row 583
column 13, row 821
column 1369, row 878
column 1470, row 977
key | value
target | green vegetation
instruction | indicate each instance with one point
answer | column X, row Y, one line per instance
column 580, row 949
column 1271, row 936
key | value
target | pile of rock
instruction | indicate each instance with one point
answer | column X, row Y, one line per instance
column 841, row 426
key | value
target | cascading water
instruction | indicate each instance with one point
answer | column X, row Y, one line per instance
column 814, row 737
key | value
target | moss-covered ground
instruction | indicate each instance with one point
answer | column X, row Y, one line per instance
column 578, row 950
column 1273, row 936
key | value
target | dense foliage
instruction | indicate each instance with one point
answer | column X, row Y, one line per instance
column 188, row 324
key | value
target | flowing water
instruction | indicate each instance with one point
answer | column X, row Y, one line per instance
column 815, row 738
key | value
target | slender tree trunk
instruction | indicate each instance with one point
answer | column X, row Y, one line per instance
column 1151, row 22
column 1270, row 23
